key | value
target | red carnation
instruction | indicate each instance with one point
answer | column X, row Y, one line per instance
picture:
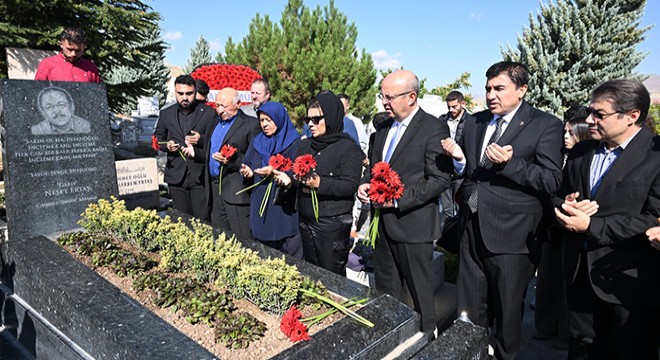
column 227, row 151
column 303, row 164
column 291, row 325
column 380, row 169
column 154, row 143
column 280, row 162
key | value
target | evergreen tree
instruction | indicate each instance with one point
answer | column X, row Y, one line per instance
column 148, row 81
column 574, row 45
column 200, row 54
column 117, row 37
column 309, row 51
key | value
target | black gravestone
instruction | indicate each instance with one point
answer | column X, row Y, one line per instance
column 56, row 152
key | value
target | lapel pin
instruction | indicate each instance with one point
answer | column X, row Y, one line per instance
column 522, row 123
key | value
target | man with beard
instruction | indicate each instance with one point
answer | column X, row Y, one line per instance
column 69, row 65
column 56, row 106
column 181, row 128
column 455, row 118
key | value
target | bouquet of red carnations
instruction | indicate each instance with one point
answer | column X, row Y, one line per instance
column 385, row 186
column 219, row 76
column 303, row 165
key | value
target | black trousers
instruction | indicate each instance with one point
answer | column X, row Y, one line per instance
column 326, row 243
column 291, row 245
column 491, row 288
column 551, row 312
column 189, row 197
column 601, row 330
column 232, row 217
column 396, row 262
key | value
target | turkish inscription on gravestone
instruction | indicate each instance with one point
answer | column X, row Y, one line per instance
column 138, row 183
column 56, row 152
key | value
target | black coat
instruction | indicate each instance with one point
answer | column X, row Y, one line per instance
column 168, row 128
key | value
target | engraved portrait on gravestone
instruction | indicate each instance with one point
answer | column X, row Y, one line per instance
column 57, row 108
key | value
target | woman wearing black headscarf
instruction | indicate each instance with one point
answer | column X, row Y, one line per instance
column 335, row 180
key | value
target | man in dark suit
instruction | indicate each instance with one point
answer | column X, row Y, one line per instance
column 513, row 160
column 455, row 119
column 183, row 126
column 611, row 192
column 404, row 249
column 228, row 210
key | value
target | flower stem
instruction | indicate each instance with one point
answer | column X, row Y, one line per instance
column 253, row 185
column 313, row 320
column 338, row 306
column 264, row 201
column 315, row 204
column 222, row 166
column 372, row 232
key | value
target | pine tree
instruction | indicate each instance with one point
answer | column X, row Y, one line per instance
column 309, row 51
column 574, row 45
column 117, row 34
column 150, row 80
column 200, row 54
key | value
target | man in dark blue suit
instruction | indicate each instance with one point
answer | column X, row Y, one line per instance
column 511, row 158
column 610, row 196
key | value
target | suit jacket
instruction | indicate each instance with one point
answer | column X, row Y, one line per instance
column 168, row 128
column 510, row 194
column 623, row 267
column 239, row 135
column 425, row 173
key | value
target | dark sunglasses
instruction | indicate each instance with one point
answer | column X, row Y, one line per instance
column 314, row 119
column 599, row 115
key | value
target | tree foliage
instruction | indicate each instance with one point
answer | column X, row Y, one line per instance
column 462, row 82
column 574, row 45
column 120, row 38
column 308, row 51
column 200, row 54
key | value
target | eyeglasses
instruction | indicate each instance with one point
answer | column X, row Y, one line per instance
column 314, row 119
column 598, row 115
column 389, row 98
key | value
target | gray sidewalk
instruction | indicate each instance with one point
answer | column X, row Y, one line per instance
column 533, row 349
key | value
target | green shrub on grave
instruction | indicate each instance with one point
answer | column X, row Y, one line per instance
column 269, row 283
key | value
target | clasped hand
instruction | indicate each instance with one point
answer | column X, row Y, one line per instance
column 578, row 213
column 654, row 236
column 499, row 154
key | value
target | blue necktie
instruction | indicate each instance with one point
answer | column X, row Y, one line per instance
column 390, row 149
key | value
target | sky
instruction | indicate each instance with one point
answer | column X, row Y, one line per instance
column 436, row 39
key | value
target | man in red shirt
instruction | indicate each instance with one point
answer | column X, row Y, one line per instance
column 69, row 65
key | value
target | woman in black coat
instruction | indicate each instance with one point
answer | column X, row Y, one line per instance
column 335, row 180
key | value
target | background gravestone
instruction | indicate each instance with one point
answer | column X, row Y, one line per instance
column 138, row 183
column 52, row 174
